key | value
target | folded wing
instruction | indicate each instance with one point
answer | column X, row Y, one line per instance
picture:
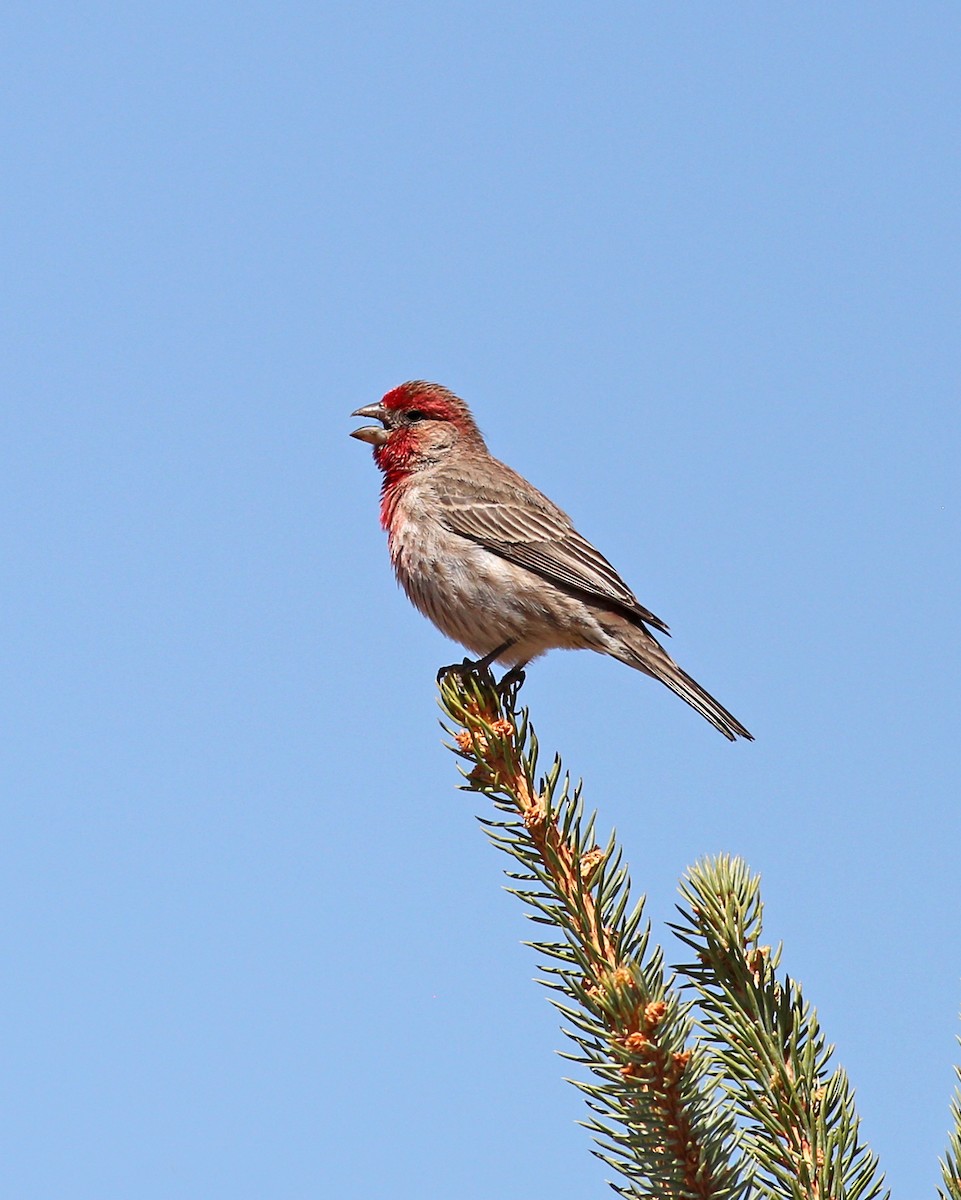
column 516, row 522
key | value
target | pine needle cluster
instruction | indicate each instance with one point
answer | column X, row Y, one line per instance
column 713, row 1080
column 951, row 1163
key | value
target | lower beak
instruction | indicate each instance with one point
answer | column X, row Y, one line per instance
column 374, row 434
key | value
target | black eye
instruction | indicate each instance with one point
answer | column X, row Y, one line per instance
column 416, row 415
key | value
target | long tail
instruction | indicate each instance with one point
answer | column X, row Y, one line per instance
column 649, row 656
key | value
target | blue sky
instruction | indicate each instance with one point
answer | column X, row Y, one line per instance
column 696, row 269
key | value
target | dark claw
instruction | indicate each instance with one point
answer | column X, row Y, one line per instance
column 511, row 683
column 467, row 667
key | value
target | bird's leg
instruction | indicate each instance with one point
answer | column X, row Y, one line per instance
column 468, row 666
column 484, row 664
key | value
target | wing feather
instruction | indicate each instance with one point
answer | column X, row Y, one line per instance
column 515, row 521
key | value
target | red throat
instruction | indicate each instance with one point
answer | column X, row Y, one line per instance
column 394, row 459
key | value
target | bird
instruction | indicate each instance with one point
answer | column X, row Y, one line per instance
column 494, row 563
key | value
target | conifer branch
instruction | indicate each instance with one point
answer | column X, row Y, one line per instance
column 799, row 1126
column 951, row 1163
column 656, row 1119
column 744, row 1102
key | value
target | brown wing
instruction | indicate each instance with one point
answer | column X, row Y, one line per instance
column 512, row 519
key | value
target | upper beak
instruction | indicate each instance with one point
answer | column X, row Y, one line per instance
column 374, row 434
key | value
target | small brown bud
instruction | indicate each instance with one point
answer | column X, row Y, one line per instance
column 623, row 977
column 589, row 864
column 535, row 816
column 756, row 961
column 654, row 1014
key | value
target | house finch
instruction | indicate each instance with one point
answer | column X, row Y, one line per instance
column 491, row 561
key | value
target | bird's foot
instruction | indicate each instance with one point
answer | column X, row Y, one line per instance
column 480, row 668
column 511, row 683
column 501, row 695
column 469, row 666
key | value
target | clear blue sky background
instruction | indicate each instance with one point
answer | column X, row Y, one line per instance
column 697, row 269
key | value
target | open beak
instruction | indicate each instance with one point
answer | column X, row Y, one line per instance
column 374, row 434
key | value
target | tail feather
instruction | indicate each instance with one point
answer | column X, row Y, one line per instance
column 653, row 660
